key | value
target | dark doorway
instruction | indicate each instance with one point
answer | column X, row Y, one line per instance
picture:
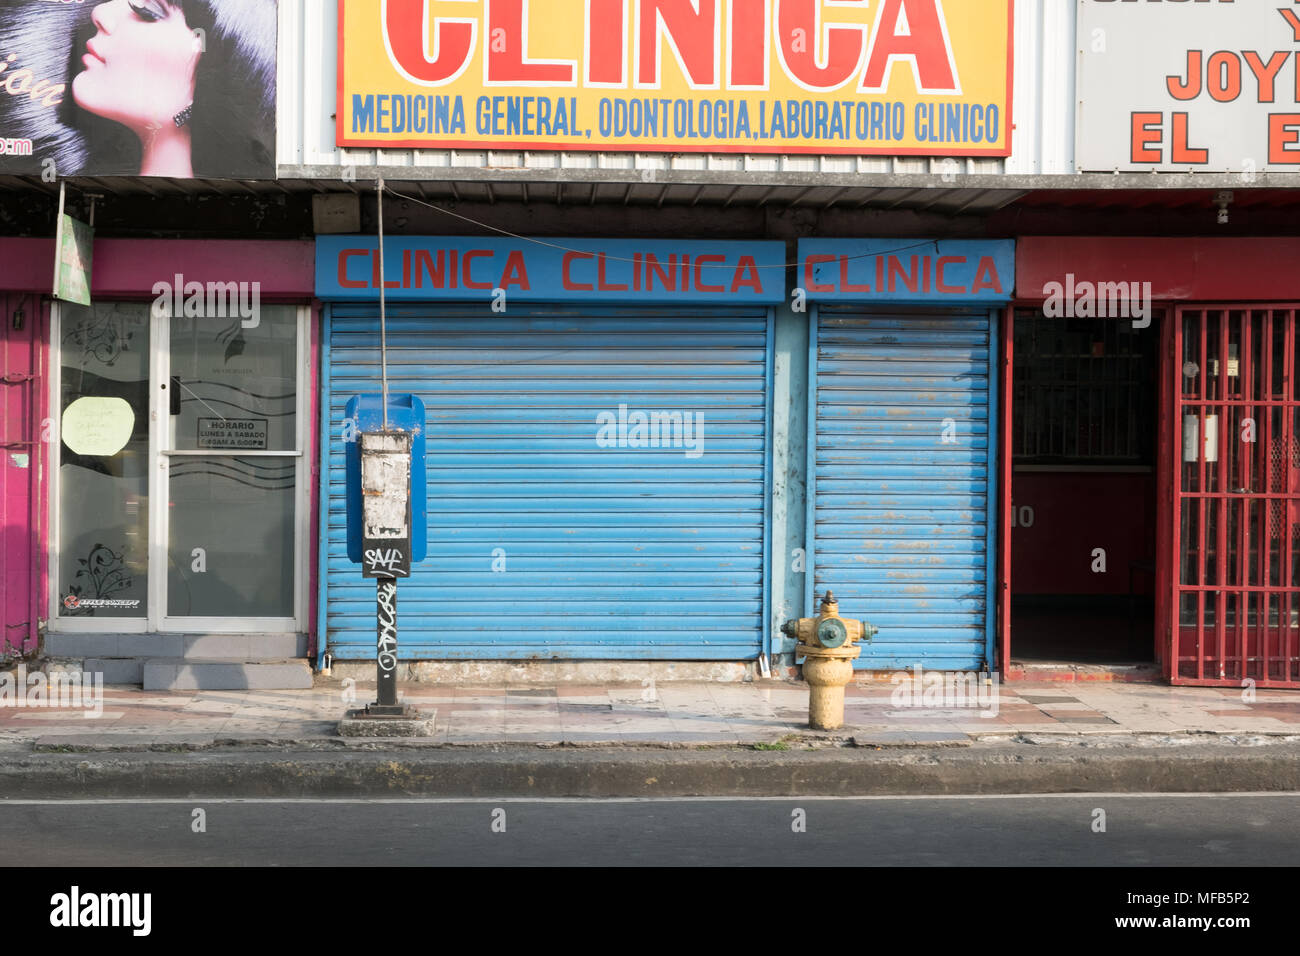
column 1083, row 522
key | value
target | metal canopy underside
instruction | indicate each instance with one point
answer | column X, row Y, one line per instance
column 588, row 192
column 979, row 194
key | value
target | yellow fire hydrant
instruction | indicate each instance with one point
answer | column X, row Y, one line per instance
column 828, row 642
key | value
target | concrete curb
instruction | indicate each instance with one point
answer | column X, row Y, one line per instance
column 652, row 772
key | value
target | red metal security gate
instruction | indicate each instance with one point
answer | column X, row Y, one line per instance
column 1236, row 454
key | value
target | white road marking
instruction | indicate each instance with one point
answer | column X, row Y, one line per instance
column 122, row 801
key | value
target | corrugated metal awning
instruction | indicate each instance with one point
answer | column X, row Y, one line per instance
column 959, row 194
column 802, row 191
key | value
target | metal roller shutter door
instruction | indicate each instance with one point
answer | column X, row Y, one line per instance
column 901, row 515
column 608, row 552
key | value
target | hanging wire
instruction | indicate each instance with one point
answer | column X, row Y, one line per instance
column 383, row 318
column 610, row 258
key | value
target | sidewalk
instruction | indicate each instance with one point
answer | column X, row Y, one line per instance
column 767, row 714
column 655, row 741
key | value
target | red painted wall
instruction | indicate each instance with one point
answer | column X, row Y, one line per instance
column 1073, row 513
column 1179, row 270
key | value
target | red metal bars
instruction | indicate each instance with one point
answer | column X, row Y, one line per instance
column 1240, row 484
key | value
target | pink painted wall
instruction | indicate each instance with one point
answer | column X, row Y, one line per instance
column 123, row 269
column 128, row 268
column 22, row 407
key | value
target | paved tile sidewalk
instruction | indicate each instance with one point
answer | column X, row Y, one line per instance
column 669, row 713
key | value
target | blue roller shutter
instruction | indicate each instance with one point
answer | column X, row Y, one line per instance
column 902, row 480
column 542, row 543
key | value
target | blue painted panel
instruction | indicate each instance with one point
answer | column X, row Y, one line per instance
column 895, row 271
column 902, row 419
column 548, row 537
column 663, row 271
column 405, row 412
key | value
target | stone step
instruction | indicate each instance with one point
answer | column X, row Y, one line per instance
column 205, row 646
column 187, row 673
column 1141, row 673
column 116, row 670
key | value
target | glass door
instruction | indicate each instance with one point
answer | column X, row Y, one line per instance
column 231, row 460
column 181, row 498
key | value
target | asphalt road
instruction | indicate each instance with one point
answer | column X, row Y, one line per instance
column 1155, row 830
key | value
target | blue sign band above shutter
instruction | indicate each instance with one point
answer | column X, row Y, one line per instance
column 630, row 271
column 920, row 271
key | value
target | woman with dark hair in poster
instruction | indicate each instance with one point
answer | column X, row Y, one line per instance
column 176, row 88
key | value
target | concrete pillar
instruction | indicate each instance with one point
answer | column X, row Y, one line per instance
column 789, row 479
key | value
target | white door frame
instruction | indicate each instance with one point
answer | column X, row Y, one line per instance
column 160, row 455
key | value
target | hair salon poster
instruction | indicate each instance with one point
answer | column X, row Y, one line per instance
column 176, row 88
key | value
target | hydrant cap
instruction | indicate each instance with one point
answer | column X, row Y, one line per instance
column 832, row 633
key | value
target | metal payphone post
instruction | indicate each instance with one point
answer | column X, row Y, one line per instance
column 386, row 519
column 386, row 548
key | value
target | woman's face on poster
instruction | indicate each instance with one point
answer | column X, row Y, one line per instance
column 138, row 69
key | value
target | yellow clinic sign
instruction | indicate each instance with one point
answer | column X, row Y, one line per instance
column 919, row 77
